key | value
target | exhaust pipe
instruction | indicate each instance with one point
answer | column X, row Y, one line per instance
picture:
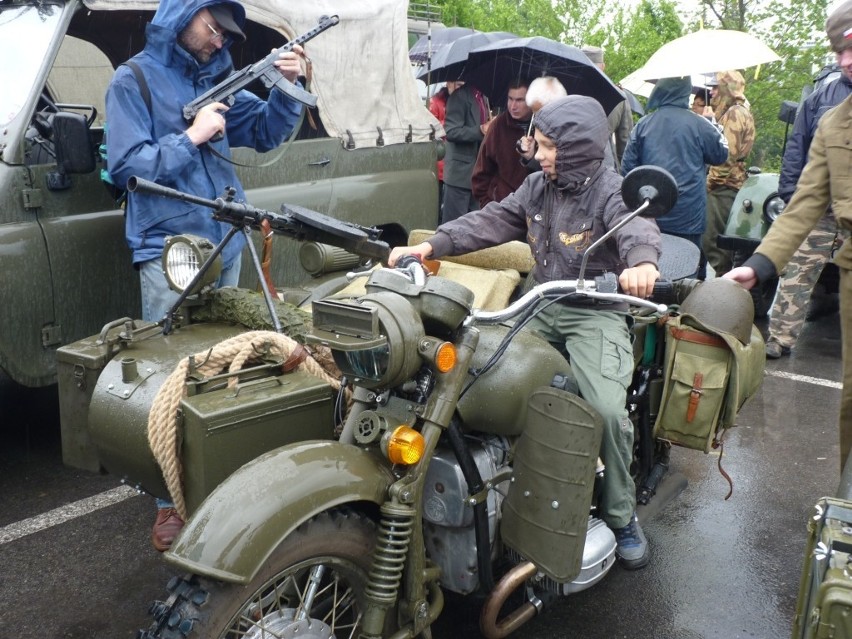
column 489, row 625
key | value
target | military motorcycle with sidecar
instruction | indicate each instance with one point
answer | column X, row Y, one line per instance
column 448, row 450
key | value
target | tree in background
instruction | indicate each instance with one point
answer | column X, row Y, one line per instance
column 793, row 28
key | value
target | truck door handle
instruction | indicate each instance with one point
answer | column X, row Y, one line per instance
column 320, row 162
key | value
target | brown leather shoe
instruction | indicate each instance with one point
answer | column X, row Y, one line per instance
column 166, row 528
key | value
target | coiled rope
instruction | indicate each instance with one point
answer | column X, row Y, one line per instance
column 231, row 355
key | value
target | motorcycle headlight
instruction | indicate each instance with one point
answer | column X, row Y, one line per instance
column 773, row 207
column 183, row 256
column 375, row 340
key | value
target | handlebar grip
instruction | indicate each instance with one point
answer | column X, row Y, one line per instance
column 407, row 260
column 665, row 292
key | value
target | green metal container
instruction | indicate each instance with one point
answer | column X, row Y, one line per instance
column 106, row 393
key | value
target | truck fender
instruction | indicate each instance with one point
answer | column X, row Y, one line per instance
column 248, row 515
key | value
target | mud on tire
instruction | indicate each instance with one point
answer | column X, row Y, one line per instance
column 201, row 608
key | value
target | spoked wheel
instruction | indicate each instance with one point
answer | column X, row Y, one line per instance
column 311, row 587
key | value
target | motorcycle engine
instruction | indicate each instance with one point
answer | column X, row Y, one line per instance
column 448, row 518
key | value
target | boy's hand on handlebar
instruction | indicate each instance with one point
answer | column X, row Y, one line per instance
column 422, row 250
column 639, row 280
column 745, row 275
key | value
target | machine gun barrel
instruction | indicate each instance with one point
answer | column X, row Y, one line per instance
column 296, row 222
column 263, row 70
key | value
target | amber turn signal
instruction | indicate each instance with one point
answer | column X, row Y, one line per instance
column 405, row 446
column 445, row 357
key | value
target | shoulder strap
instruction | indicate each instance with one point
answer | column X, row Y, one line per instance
column 140, row 79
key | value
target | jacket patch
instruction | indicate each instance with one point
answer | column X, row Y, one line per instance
column 577, row 241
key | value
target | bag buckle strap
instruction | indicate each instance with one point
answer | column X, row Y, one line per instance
column 694, row 396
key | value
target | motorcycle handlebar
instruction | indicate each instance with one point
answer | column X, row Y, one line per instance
column 665, row 293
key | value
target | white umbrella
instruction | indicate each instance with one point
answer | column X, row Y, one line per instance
column 635, row 84
column 705, row 51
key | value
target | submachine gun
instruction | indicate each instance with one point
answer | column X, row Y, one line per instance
column 263, row 70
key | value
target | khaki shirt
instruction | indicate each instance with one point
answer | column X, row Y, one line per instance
column 826, row 180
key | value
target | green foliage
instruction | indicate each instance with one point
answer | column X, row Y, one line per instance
column 792, row 28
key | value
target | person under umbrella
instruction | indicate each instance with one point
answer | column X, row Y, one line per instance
column 671, row 137
column 620, row 119
column 498, row 170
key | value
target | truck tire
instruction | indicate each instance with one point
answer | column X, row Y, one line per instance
column 341, row 542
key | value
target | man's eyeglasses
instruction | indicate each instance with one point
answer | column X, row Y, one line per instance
column 216, row 37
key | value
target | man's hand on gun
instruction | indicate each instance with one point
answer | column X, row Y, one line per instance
column 210, row 121
column 289, row 63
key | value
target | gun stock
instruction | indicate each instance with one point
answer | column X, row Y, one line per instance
column 263, row 70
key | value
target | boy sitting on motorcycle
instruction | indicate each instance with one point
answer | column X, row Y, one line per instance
column 561, row 211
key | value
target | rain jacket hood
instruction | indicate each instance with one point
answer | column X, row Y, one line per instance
column 731, row 91
column 172, row 17
column 670, row 92
column 578, row 126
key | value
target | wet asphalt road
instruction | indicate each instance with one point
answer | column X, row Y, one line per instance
column 720, row 569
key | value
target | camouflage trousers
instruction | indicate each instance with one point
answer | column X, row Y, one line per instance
column 798, row 280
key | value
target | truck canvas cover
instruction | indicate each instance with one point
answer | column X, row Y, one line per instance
column 360, row 39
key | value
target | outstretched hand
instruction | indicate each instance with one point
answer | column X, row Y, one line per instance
column 745, row 275
column 638, row 280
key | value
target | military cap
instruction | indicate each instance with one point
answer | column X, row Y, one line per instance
column 839, row 27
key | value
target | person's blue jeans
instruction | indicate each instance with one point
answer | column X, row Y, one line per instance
column 158, row 298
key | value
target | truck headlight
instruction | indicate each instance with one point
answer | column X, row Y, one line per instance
column 183, row 256
column 773, row 207
column 375, row 339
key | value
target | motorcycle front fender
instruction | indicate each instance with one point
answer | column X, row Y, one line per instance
column 246, row 517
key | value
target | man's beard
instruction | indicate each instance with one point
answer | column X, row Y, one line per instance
column 194, row 49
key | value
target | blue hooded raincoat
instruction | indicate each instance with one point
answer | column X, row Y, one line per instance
column 682, row 142
column 153, row 144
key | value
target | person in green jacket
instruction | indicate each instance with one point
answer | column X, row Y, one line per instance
column 825, row 181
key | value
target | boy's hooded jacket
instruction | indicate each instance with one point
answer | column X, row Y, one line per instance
column 682, row 142
column 152, row 144
column 560, row 219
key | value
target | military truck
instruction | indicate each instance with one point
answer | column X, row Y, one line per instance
column 365, row 154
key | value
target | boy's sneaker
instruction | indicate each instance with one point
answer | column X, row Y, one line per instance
column 631, row 545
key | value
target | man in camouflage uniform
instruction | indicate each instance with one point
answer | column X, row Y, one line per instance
column 725, row 180
column 806, row 265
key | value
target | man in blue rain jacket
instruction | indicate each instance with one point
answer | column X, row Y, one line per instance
column 186, row 54
column 671, row 136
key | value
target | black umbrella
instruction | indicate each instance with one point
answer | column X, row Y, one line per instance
column 432, row 43
column 493, row 67
column 450, row 61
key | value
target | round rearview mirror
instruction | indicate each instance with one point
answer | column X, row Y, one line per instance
column 652, row 184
